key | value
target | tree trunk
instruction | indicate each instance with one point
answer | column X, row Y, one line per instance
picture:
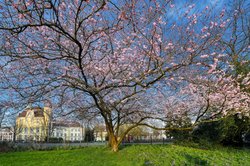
column 113, row 143
column 14, row 137
column 115, row 147
column 115, row 140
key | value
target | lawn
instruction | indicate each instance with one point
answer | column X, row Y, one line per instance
column 131, row 155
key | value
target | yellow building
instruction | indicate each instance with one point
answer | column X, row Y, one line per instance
column 33, row 123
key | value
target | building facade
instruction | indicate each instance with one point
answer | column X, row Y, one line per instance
column 68, row 131
column 33, row 123
column 100, row 133
column 6, row 134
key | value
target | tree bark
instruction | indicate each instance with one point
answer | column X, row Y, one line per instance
column 114, row 145
column 112, row 139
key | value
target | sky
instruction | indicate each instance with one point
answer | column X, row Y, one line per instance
column 180, row 5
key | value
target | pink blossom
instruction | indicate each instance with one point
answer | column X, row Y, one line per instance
column 63, row 6
column 15, row 5
column 204, row 29
column 172, row 63
column 170, row 44
column 222, row 13
column 172, row 5
column 236, row 12
column 223, row 24
column 221, row 55
column 203, row 36
column 213, row 24
column 29, row 2
column 204, row 56
column 190, row 49
column 20, row 16
column 213, row 53
column 122, row 15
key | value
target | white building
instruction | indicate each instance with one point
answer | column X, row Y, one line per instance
column 68, row 130
column 6, row 134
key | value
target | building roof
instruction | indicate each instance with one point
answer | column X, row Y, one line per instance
column 33, row 108
column 38, row 112
column 22, row 114
column 66, row 124
column 5, row 129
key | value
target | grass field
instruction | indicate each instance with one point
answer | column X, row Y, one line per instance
column 140, row 155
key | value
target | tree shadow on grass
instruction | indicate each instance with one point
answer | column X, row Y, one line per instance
column 195, row 160
column 123, row 146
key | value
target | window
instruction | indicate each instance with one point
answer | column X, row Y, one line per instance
column 26, row 130
column 31, row 130
column 37, row 130
column 57, row 134
column 71, row 134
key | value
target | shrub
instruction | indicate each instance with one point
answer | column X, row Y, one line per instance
column 227, row 131
column 5, row 147
column 55, row 140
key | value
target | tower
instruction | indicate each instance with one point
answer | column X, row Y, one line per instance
column 47, row 111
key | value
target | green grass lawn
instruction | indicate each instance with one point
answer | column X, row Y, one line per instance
column 131, row 155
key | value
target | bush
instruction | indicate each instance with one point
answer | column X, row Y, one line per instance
column 55, row 140
column 89, row 135
column 247, row 137
column 178, row 122
column 227, row 131
column 5, row 147
column 209, row 132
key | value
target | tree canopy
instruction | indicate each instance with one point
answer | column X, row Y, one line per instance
column 129, row 62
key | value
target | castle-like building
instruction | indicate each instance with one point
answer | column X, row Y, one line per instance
column 34, row 123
